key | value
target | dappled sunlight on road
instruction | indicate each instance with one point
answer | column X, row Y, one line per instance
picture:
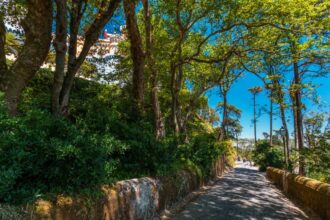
column 244, row 193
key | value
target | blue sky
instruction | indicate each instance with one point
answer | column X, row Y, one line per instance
column 240, row 97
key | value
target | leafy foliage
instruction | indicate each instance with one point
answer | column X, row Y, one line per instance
column 318, row 161
column 98, row 144
column 11, row 212
column 318, row 154
column 195, row 46
column 41, row 154
column 265, row 155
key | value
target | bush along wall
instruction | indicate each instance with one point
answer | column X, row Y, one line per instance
column 142, row 198
column 312, row 193
column 265, row 155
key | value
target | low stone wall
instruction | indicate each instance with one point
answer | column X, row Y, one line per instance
column 312, row 193
column 142, row 198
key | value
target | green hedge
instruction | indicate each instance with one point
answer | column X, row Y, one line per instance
column 265, row 155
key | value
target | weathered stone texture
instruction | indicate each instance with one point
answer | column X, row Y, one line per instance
column 312, row 193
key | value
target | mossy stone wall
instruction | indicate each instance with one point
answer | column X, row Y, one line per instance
column 312, row 193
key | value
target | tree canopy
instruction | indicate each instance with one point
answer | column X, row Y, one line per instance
column 152, row 112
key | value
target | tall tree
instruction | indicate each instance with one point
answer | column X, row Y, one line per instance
column 138, row 56
column 231, row 127
column 183, row 17
column 307, row 58
column 37, row 26
column 255, row 91
column 271, row 116
column 231, row 75
column 279, row 97
column 297, row 103
column 159, row 125
column 313, row 126
column 275, row 87
column 105, row 10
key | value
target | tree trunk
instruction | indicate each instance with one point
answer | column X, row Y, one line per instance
column 37, row 27
column 3, row 62
column 255, row 120
column 223, row 132
column 76, row 14
column 281, row 103
column 60, row 43
column 283, row 119
column 138, row 56
column 158, row 121
column 298, row 108
column 174, row 103
column 294, row 122
column 286, row 161
column 271, row 118
column 237, row 145
column 286, row 136
column 91, row 36
column 178, row 85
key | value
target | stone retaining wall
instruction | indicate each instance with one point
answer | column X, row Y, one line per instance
column 312, row 193
column 142, row 198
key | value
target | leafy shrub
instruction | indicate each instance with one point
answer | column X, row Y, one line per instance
column 265, row 155
column 97, row 144
column 145, row 155
column 230, row 152
column 8, row 212
column 318, row 160
column 203, row 150
column 41, row 153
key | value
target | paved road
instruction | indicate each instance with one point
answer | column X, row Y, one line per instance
column 244, row 193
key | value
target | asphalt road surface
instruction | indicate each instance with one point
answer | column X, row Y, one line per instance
column 244, row 193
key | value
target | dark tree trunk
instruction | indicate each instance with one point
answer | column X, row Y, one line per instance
column 138, row 56
column 91, row 36
column 286, row 136
column 3, row 63
column 298, row 112
column 175, row 102
column 285, row 153
column 158, row 121
column 280, row 95
column 60, row 45
column 294, row 121
column 176, row 84
column 76, row 13
column 37, row 27
column 176, row 70
column 223, row 132
column 284, row 124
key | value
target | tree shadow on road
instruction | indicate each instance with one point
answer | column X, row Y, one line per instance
column 242, row 194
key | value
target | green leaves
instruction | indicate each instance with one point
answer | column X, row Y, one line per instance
column 43, row 154
column 265, row 155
